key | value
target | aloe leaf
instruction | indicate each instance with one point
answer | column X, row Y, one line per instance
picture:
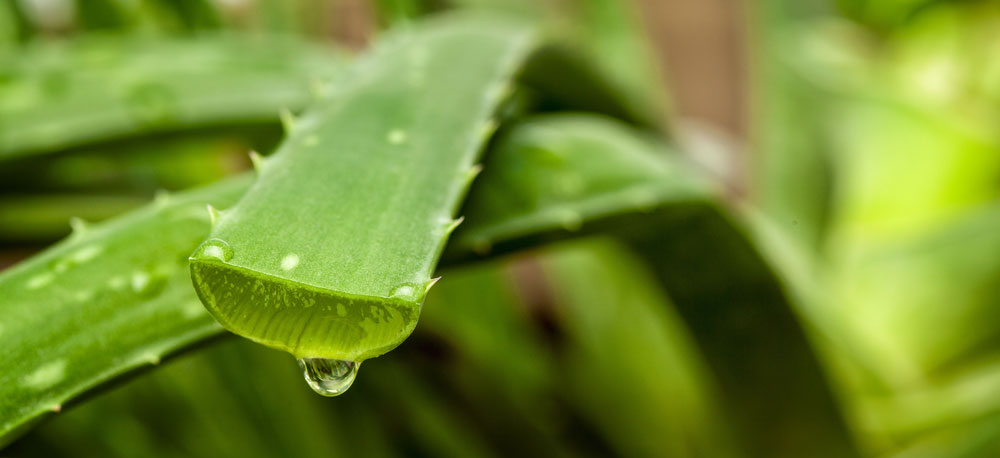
column 572, row 189
column 702, row 254
column 58, row 95
column 38, row 195
column 657, row 399
column 551, row 173
column 614, row 34
column 789, row 158
column 496, row 359
column 206, row 404
column 122, row 279
column 562, row 200
column 9, row 25
column 42, row 217
column 604, row 45
column 392, row 153
column 143, row 165
column 213, row 402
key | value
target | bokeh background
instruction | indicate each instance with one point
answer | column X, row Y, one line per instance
column 860, row 135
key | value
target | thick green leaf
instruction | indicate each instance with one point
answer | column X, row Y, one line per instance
column 111, row 298
column 788, row 158
column 58, row 95
column 632, row 368
column 729, row 296
column 478, row 372
column 42, row 217
column 575, row 170
column 331, row 251
column 9, row 26
column 551, row 173
column 39, row 194
column 143, row 165
column 215, row 402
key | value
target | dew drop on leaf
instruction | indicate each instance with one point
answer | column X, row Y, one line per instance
column 147, row 284
column 328, row 377
column 213, row 248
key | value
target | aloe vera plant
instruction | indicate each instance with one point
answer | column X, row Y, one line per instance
column 320, row 288
column 175, row 294
column 587, row 169
column 707, row 327
column 566, row 175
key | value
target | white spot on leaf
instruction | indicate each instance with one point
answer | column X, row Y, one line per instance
column 140, row 280
column 290, row 261
column 117, row 283
column 46, row 375
column 86, row 253
column 39, row 280
column 396, row 137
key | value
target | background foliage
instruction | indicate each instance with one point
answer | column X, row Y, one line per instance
column 829, row 287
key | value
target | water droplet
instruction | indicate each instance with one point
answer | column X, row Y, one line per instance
column 328, row 377
column 86, row 254
column 39, row 280
column 290, row 261
column 139, row 280
column 213, row 248
column 45, row 375
column 406, row 291
column 396, row 137
column 146, row 284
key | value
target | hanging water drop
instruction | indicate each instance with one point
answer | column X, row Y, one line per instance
column 328, row 377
